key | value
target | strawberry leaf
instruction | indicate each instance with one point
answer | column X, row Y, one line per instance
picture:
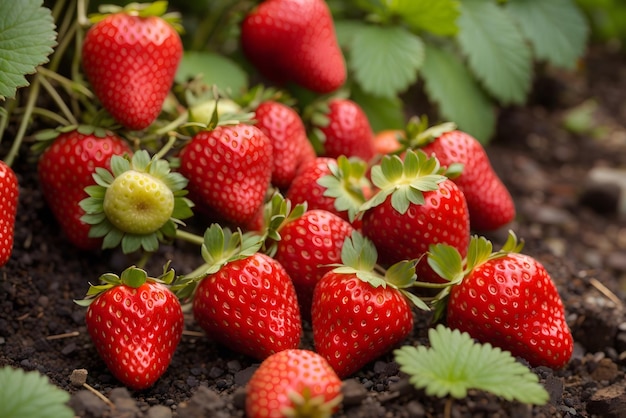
column 31, row 395
column 434, row 16
column 497, row 52
column 27, row 36
column 214, row 69
column 385, row 59
column 557, row 29
column 448, row 82
column 454, row 363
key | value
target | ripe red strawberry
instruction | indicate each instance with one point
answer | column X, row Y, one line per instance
column 135, row 323
column 229, row 170
column 294, row 41
column 247, row 301
column 358, row 314
column 415, row 207
column 284, row 127
column 130, row 60
column 508, row 299
column 305, row 243
column 346, row 131
column 293, row 382
column 8, row 210
column 66, row 168
column 337, row 186
column 489, row 202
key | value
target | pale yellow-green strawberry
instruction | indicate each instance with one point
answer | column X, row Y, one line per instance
column 138, row 203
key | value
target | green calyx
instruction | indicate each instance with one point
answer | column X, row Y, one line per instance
column 276, row 213
column 133, row 277
column 404, row 180
column 346, row 184
column 220, row 246
column 447, row 262
column 137, row 204
column 157, row 8
column 419, row 134
column 305, row 405
column 358, row 257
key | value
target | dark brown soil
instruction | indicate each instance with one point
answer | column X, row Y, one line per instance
column 571, row 225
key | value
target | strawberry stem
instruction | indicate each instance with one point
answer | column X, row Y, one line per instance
column 189, row 237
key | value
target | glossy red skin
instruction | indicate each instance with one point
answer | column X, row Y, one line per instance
column 512, row 303
column 294, row 41
column 9, row 196
column 307, row 247
column 131, row 62
column 305, row 188
column 442, row 219
column 355, row 323
column 290, row 145
column 229, row 171
column 66, row 168
column 349, row 131
column 489, row 202
column 250, row 306
column 136, row 331
column 267, row 391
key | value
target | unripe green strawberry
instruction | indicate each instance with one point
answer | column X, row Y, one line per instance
column 138, row 203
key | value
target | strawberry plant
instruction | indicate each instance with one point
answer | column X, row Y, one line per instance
column 146, row 127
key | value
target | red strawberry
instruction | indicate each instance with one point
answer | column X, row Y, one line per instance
column 247, row 301
column 130, row 60
column 229, row 171
column 294, row 383
column 358, row 314
column 305, row 243
column 337, row 186
column 346, row 130
column 507, row 299
column 66, row 168
column 284, row 127
column 294, row 41
column 415, row 207
column 8, row 210
column 489, row 202
column 135, row 324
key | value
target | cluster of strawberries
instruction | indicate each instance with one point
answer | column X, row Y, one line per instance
column 348, row 234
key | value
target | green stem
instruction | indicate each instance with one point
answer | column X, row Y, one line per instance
column 174, row 124
column 68, row 84
column 166, row 148
column 51, row 115
column 58, row 100
column 189, row 237
column 28, row 111
column 145, row 257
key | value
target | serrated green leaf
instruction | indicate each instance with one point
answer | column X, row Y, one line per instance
column 454, row 363
column 31, row 395
column 434, row 16
column 557, row 29
column 27, row 36
column 448, row 83
column 215, row 70
column 497, row 52
column 385, row 60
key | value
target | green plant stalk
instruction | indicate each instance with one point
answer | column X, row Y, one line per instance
column 189, row 237
column 58, row 100
column 28, row 111
column 50, row 115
